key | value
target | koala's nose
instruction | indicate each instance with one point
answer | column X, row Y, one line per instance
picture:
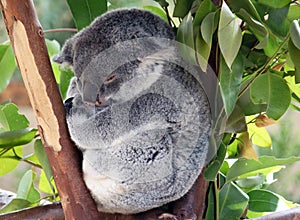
column 100, row 101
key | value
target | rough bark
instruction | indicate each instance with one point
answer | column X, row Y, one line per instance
column 26, row 36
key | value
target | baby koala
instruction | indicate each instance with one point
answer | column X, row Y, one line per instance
column 140, row 118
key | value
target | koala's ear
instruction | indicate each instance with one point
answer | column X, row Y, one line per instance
column 66, row 54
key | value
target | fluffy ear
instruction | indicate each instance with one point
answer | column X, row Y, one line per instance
column 66, row 54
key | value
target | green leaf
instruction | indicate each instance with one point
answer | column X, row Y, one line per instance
column 244, row 167
column 204, row 9
column 185, row 35
column 7, row 64
column 274, row 3
column 251, row 181
column 278, row 22
column 245, row 5
column 294, row 53
column 8, row 160
column 185, row 31
column 16, row 137
column 213, row 169
column 117, row 4
column 26, row 188
column 46, row 186
column 42, row 157
column 272, row 45
column 163, row 3
column 203, row 52
column 295, row 33
column 210, row 211
column 259, row 135
column 53, row 49
column 246, row 104
column 263, row 201
column 256, row 27
column 182, row 7
column 15, row 204
column 208, row 27
column 10, row 119
column 272, row 90
column 85, row 11
column 230, row 81
column 233, row 202
column 157, row 11
column 229, row 35
column 236, row 122
column 65, row 78
column 295, row 88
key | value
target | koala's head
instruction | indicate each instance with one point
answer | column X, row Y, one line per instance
column 107, row 54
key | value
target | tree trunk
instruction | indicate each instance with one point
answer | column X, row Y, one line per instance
column 27, row 40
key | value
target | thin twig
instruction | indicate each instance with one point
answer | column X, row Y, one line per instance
column 265, row 66
column 61, row 30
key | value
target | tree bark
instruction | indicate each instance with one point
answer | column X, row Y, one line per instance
column 26, row 36
column 27, row 40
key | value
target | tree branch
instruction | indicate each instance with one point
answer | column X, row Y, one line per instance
column 28, row 42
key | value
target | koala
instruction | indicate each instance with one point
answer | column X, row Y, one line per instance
column 141, row 119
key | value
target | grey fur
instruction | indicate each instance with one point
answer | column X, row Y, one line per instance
column 145, row 141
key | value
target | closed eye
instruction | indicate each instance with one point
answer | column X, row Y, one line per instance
column 110, row 79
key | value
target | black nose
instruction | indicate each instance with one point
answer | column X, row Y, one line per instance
column 68, row 105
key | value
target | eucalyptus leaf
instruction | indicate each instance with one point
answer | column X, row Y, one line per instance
column 259, row 135
column 295, row 54
column 182, row 8
column 47, row 187
column 263, row 201
column 274, row 3
column 42, row 157
column 85, row 11
column 213, row 169
column 8, row 65
column 233, row 202
column 157, row 11
column 244, row 166
column 210, row 210
column 229, row 35
column 252, row 181
column 203, row 52
column 208, row 27
column 204, row 9
column 272, row 90
column 295, row 33
column 245, row 5
column 65, row 78
column 26, row 188
column 278, row 22
column 236, row 122
column 15, row 204
column 8, row 160
column 10, row 119
column 185, row 35
column 17, row 137
column 256, row 27
column 247, row 106
column 230, row 81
